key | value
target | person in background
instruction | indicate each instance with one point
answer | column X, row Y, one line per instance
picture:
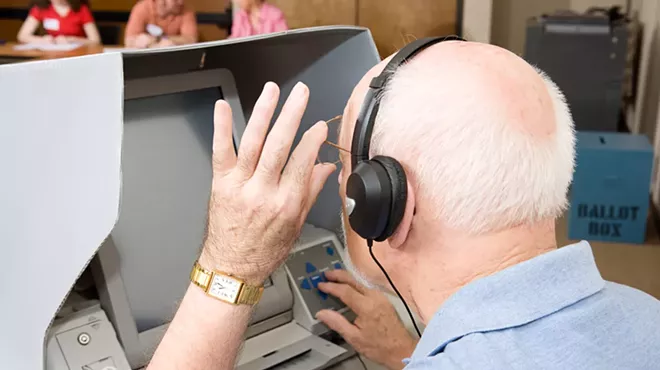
column 65, row 22
column 256, row 17
column 158, row 23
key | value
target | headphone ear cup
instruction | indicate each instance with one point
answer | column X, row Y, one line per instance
column 399, row 197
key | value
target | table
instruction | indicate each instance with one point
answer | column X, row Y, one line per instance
column 9, row 55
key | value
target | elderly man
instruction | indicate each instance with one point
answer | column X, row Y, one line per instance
column 486, row 143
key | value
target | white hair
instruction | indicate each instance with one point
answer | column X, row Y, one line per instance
column 475, row 170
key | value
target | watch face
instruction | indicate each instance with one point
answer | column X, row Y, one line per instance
column 225, row 288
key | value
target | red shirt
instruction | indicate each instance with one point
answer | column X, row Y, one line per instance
column 69, row 25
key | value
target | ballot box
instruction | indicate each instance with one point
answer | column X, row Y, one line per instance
column 609, row 197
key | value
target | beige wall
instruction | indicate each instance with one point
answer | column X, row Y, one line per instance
column 477, row 17
column 645, row 115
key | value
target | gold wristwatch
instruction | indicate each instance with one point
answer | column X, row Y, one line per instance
column 225, row 287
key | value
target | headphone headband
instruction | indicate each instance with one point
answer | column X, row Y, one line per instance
column 367, row 117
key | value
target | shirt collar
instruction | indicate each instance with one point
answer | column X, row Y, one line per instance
column 514, row 296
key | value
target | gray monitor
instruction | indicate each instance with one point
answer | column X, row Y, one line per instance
column 142, row 270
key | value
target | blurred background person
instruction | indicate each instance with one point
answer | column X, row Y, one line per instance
column 65, row 22
column 256, row 17
column 157, row 23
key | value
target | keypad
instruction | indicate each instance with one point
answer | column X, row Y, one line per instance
column 308, row 268
column 305, row 284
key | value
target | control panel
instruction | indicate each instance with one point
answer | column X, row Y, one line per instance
column 308, row 269
column 316, row 252
column 84, row 340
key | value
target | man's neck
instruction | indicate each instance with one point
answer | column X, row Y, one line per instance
column 454, row 260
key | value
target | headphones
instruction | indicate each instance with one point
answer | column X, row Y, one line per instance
column 377, row 188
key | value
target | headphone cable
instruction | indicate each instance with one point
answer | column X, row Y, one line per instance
column 370, row 243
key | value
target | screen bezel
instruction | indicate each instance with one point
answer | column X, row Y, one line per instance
column 193, row 81
column 139, row 346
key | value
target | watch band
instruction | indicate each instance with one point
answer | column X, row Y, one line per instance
column 250, row 294
column 246, row 294
column 201, row 276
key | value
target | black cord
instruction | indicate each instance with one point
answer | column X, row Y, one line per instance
column 362, row 362
column 370, row 243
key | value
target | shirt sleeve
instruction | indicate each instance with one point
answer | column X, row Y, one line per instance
column 238, row 28
column 36, row 13
column 138, row 19
column 189, row 25
column 435, row 363
column 280, row 24
column 86, row 15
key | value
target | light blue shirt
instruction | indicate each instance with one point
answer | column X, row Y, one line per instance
column 552, row 312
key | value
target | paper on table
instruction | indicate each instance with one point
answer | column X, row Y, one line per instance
column 48, row 47
column 25, row 47
column 59, row 47
column 60, row 197
column 119, row 49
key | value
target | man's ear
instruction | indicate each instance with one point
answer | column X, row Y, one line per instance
column 401, row 233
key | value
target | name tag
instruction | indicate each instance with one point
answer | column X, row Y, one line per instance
column 51, row 24
column 154, row 30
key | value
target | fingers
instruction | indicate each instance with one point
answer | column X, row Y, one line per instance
column 320, row 175
column 337, row 322
column 346, row 293
column 253, row 139
column 224, row 156
column 344, row 277
column 278, row 144
column 298, row 172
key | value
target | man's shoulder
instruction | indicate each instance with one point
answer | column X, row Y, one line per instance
column 624, row 307
column 620, row 291
column 621, row 305
column 614, row 328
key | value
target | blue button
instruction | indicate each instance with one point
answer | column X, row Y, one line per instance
column 338, row 266
column 323, row 296
column 309, row 268
column 316, row 279
column 330, row 251
column 305, row 285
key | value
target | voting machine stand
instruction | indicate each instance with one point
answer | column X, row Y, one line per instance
column 93, row 183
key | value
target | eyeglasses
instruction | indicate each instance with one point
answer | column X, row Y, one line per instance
column 329, row 152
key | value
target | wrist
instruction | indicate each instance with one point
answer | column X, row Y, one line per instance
column 400, row 353
column 250, row 273
column 395, row 365
column 396, row 362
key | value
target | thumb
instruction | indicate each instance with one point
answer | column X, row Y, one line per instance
column 337, row 322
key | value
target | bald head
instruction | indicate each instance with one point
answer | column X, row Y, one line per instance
column 504, row 83
column 487, row 141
